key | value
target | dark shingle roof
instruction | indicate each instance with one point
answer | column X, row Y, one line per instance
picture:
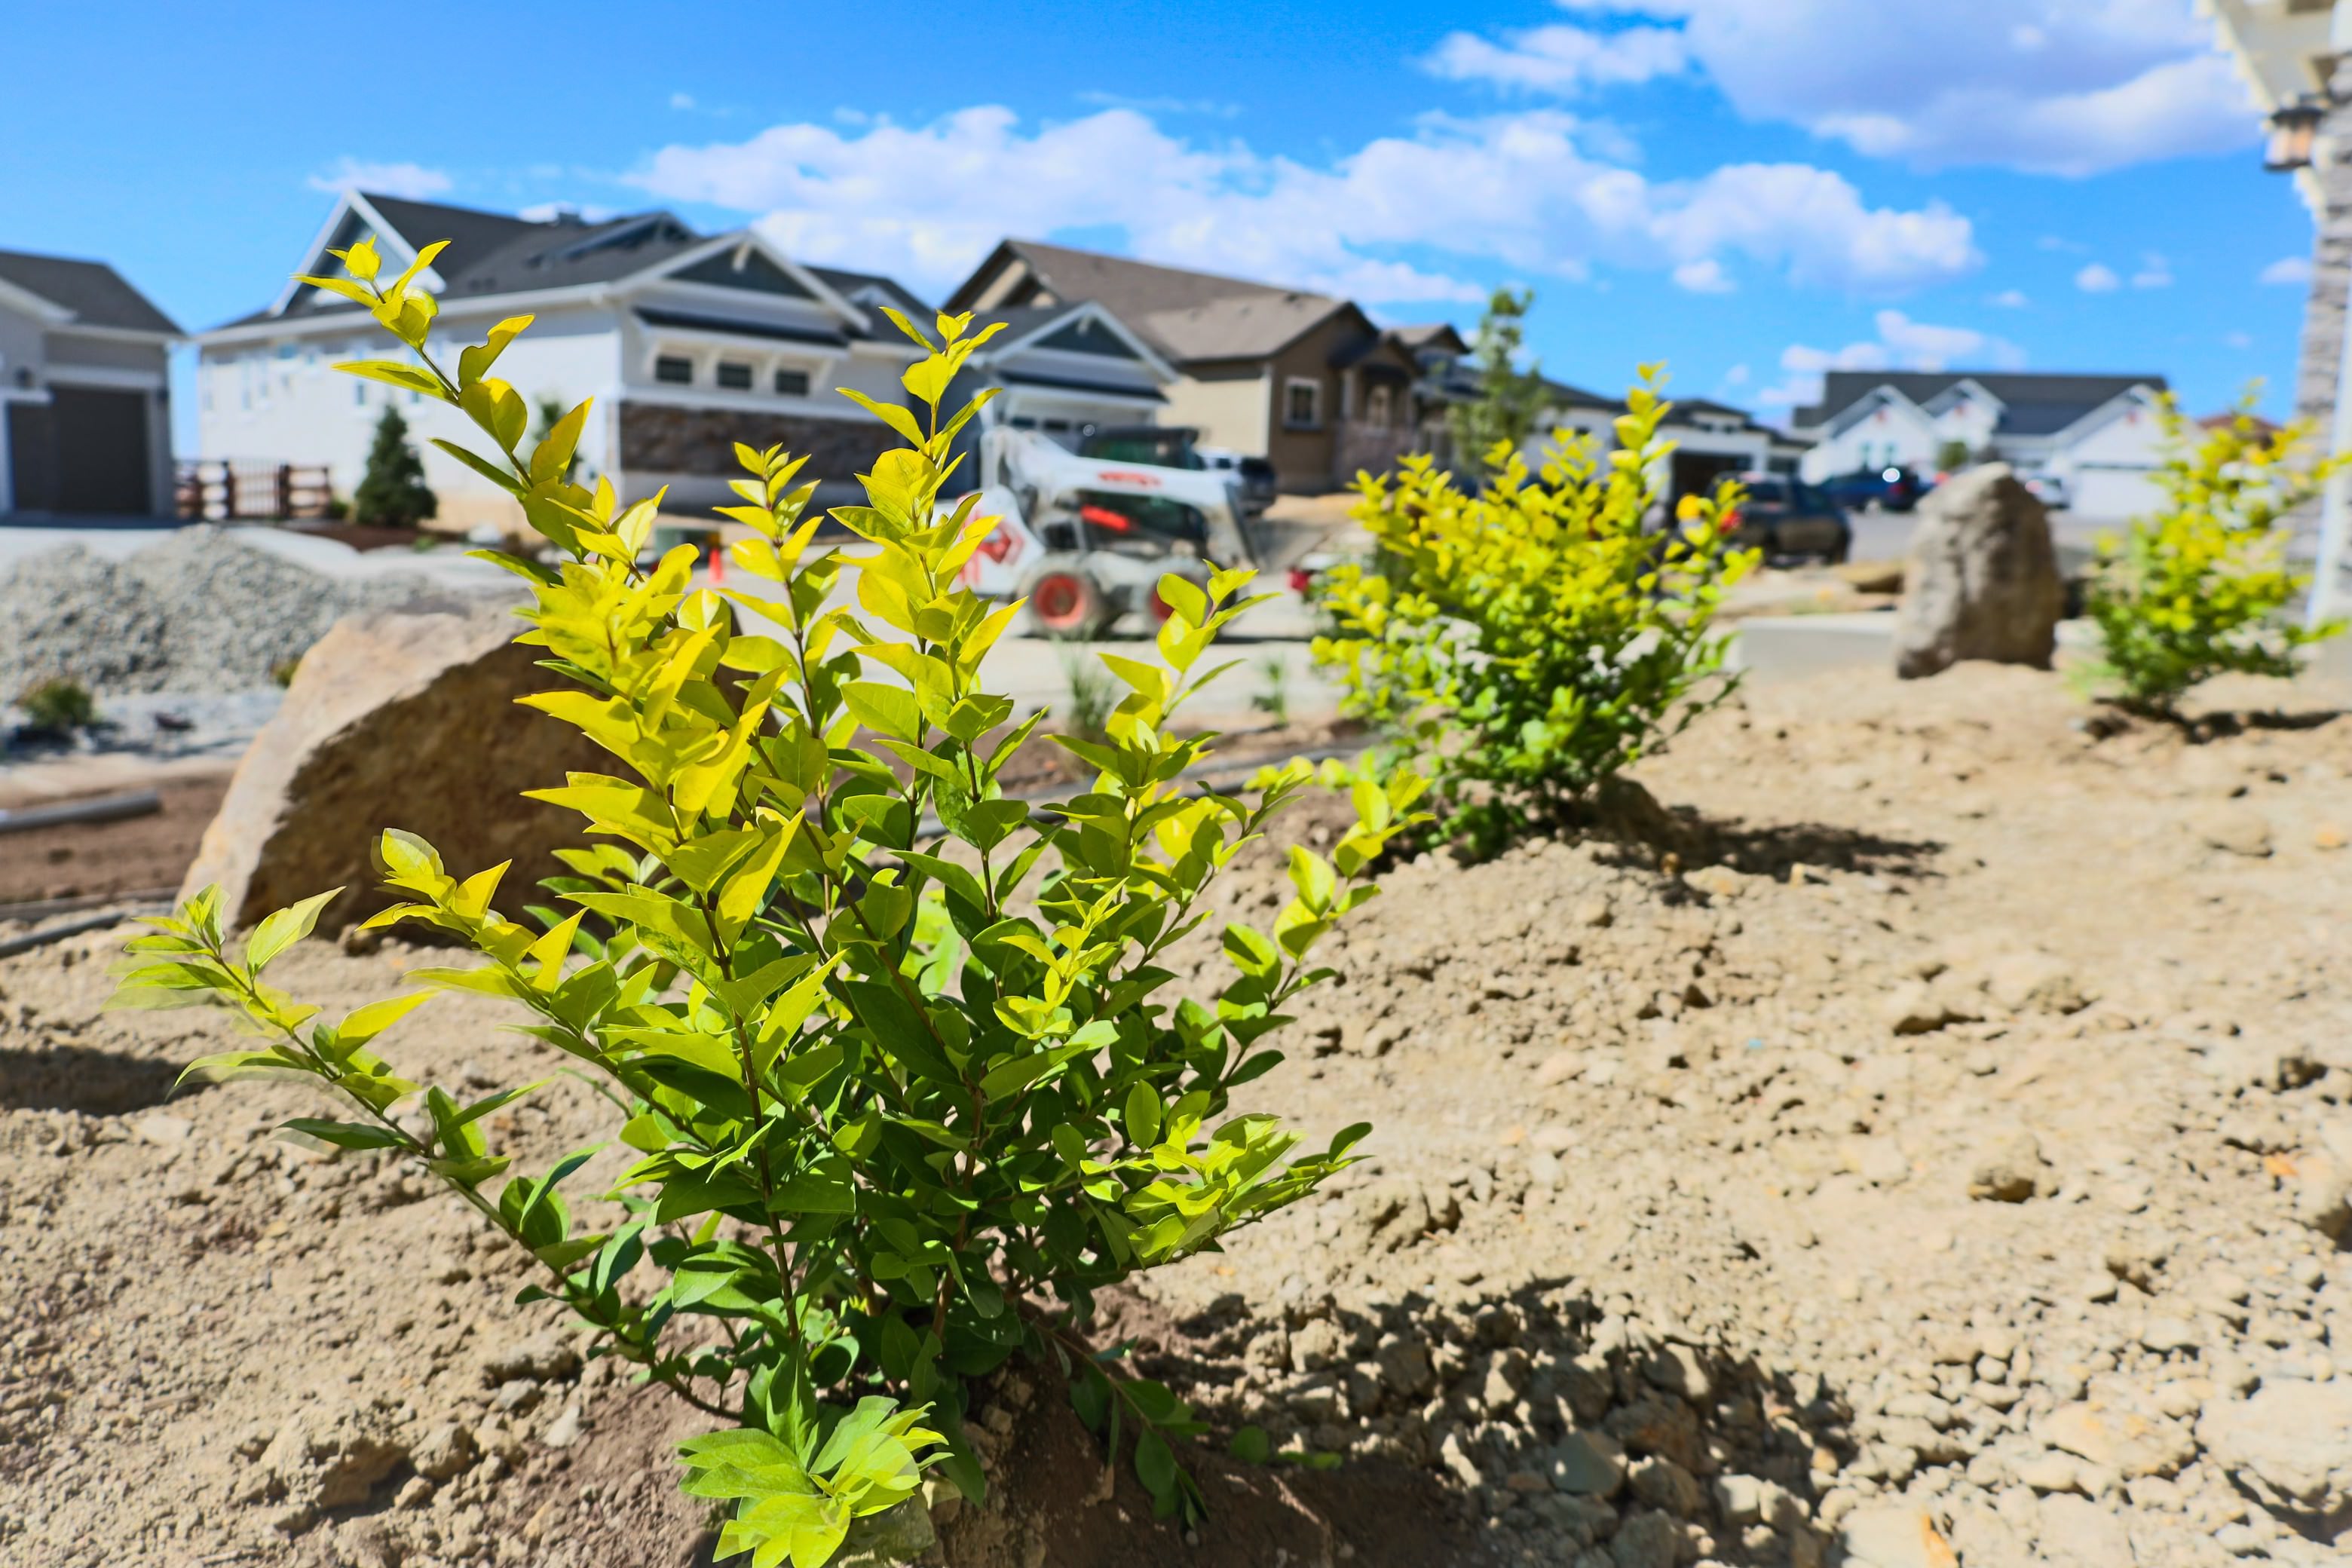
column 95, row 292
column 495, row 253
column 1185, row 315
column 695, row 321
column 2036, row 404
column 848, row 285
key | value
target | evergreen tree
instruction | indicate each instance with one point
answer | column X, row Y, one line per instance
column 1510, row 400
column 392, row 494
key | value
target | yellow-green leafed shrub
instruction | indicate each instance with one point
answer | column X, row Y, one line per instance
column 898, row 1056
column 1528, row 640
column 2197, row 588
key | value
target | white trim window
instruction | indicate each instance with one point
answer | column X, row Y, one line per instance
column 1302, row 403
column 673, row 370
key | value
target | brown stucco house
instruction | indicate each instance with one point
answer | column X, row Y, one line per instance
column 1302, row 379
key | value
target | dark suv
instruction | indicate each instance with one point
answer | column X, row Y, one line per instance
column 1891, row 490
column 1787, row 519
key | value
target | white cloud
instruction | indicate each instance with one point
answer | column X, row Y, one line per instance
column 1704, row 275
column 413, row 181
column 682, row 101
column 1560, row 59
column 1210, row 106
column 2097, row 279
column 929, row 202
column 2238, row 340
column 1901, row 343
column 2155, row 272
column 2011, row 299
column 2289, row 271
column 2062, row 87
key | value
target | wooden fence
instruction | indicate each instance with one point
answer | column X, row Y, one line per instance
column 233, row 489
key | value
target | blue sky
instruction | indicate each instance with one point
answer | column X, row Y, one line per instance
column 1751, row 190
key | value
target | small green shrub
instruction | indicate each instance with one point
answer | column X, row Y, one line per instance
column 1093, row 695
column 393, row 492
column 2197, row 588
column 1273, row 695
column 59, row 706
column 900, row 1060
column 1526, row 642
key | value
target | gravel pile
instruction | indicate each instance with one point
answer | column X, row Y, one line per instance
column 199, row 611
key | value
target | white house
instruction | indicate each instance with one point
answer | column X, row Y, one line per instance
column 1068, row 370
column 1710, row 439
column 688, row 342
column 85, row 427
column 2097, row 433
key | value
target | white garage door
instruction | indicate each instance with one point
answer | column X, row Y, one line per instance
column 2115, row 493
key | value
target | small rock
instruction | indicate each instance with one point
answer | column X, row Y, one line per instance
column 1895, row 1537
column 164, row 1131
column 2049, row 1471
column 2012, row 1172
column 1589, row 1464
column 2034, row 981
column 1749, row 1500
column 1676, row 1368
column 516, row 1397
column 1647, row 1540
column 1910, row 1008
column 1405, row 1365
column 2166, row 1335
column 447, row 1451
column 2293, row 1439
column 1558, row 1067
column 1663, row 1484
column 2328, row 835
column 542, row 1356
column 2236, row 830
column 2075, row 1530
column 2119, row 1440
column 564, row 1430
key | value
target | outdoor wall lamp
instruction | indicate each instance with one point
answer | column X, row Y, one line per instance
column 2294, row 127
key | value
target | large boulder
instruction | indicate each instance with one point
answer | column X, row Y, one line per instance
column 400, row 718
column 1982, row 581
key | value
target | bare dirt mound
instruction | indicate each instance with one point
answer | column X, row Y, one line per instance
column 1928, row 1141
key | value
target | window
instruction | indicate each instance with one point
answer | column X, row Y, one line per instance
column 676, row 369
column 793, row 383
column 734, row 376
column 1376, row 405
column 1302, row 403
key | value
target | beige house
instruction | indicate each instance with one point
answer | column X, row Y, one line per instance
column 1302, row 379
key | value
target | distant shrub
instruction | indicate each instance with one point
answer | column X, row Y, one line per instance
column 1528, row 641
column 393, row 492
column 2196, row 588
column 59, row 706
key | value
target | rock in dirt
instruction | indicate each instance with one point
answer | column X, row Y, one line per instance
column 398, row 720
column 2291, row 1439
column 1982, row 581
column 2012, row 1172
column 325, row 1458
column 542, row 1356
column 1896, row 1536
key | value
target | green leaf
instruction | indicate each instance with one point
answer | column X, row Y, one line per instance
column 282, row 930
column 1142, row 1115
column 1251, row 1446
column 345, row 1134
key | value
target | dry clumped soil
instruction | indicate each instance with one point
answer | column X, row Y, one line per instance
column 1923, row 1138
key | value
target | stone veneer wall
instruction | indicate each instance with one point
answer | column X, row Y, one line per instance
column 659, row 438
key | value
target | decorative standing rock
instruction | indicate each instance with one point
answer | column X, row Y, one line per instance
column 1982, row 582
column 402, row 718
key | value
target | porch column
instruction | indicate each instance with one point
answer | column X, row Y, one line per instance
column 2323, row 384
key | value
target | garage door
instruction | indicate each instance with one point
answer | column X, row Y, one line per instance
column 102, row 451
column 2114, row 494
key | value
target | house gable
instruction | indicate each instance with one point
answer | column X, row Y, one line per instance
column 745, row 262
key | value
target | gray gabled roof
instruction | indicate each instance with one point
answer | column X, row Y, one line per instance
column 96, row 293
column 496, row 253
column 2032, row 403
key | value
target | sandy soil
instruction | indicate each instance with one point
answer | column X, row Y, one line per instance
column 1925, row 1141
